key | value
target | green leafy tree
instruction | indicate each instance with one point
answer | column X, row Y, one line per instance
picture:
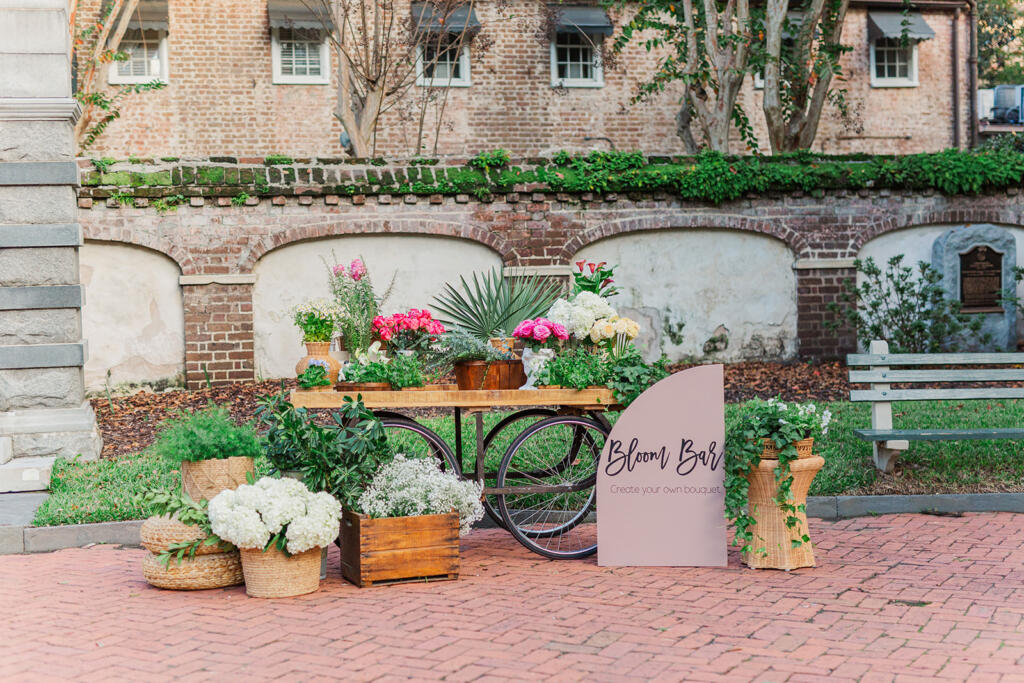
column 1000, row 42
column 711, row 46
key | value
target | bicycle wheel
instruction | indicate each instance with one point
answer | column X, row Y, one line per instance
column 553, row 464
column 412, row 439
column 495, row 444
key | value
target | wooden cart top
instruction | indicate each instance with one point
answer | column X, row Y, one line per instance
column 597, row 398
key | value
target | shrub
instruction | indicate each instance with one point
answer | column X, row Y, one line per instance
column 206, row 435
column 910, row 311
column 628, row 375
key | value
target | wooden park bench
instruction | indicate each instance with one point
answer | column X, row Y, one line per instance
column 888, row 442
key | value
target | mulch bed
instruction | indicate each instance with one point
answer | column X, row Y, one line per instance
column 129, row 423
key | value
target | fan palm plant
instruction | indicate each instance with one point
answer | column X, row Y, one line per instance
column 491, row 305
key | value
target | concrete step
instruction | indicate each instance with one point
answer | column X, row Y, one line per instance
column 26, row 474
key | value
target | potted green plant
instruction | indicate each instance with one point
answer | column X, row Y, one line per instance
column 769, row 466
column 493, row 305
column 213, row 452
column 476, row 363
column 317, row 319
column 407, row 523
column 280, row 527
column 372, row 376
column 314, row 378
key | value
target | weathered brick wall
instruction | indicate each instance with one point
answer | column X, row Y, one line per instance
column 217, row 241
column 220, row 98
column 218, row 333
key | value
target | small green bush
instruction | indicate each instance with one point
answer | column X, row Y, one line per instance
column 206, row 435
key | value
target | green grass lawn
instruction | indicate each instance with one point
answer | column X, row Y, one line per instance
column 102, row 491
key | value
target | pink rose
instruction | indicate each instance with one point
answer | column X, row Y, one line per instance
column 559, row 331
column 385, row 334
column 413, row 323
column 434, row 327
column 523, row 329
column 541, row 332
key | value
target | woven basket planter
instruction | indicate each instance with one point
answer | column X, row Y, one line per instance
column 201, row 572
column 272, row 574
column 157, row 533
column 206, row 478
column 770, row 531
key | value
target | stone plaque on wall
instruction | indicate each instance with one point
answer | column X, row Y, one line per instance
column 976, row 263
column 981, row 280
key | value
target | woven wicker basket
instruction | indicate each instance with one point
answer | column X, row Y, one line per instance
column 272, row 574
column 157, row 533
column 198, row 573
column 206, row 478
column 804, row 449
column 770, row 531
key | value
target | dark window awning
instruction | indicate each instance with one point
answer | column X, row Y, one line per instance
column 891, row 25
column 582, row 18
column 296, row 14
column 430, row 18
column 149, row 15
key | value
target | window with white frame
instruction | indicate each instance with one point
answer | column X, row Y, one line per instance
column 893, row 63
column 146, row 60
column 300, row 56
column 576, row 61
column 442, row 63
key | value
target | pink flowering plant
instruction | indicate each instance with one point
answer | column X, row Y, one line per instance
column 539, row 332
column 414, row 330
column 594, row 277
column 357, row 304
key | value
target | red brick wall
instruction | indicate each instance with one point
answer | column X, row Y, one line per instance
column 815, row 290
column 220, row 99
column 218, row 334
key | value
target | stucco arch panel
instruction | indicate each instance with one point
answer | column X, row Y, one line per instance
column 418, row 266
column 133, row 317
column 690, row 285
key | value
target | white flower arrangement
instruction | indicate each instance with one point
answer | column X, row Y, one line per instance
column 280, row 510
column 407, row 487
column 579, row 314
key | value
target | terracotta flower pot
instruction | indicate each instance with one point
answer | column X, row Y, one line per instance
column 319, row 352
column 272, row 574
column 770, row 531
column 206, row 478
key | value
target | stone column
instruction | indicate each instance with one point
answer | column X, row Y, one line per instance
column 43, row 411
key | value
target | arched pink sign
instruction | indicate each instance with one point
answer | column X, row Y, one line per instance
column 661, row 481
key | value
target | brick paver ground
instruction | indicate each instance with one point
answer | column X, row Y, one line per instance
column 903, row 597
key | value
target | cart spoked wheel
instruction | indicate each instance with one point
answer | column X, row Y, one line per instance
column 496, row 443
column 546, row 484
column 410, row 438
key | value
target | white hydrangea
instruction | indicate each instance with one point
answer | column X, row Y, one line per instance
column 416, row 486
column 251, row 514
column 579, row 315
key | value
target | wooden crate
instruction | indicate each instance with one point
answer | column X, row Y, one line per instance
column 399, row 548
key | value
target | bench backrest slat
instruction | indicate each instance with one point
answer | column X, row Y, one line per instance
column 894, row 376
column 936, row 394
column 862, row 359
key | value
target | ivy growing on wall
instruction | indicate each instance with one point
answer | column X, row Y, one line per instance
column 710, row 177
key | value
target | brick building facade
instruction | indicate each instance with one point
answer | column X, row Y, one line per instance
column 221, row 98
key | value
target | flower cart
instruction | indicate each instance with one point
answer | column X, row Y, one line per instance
column 542, row 489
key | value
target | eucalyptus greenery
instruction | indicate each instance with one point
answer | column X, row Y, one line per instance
column 181, row 507
column 904, row 306
column 208, row 434
column 492, row 305
column 339, row 457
